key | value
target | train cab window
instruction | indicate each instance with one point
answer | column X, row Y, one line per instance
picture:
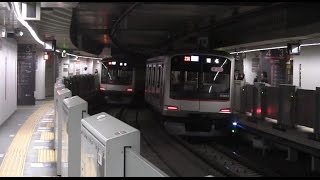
column 216, row 80
column 200, row 79
column 184, row 77
column 118, row 75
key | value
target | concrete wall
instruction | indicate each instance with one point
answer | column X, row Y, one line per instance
column 49, row 77
column 39, row 93
column 247, row 66
column 309, row 59
column 90, row 66
column 82, row 64
column 8, row 78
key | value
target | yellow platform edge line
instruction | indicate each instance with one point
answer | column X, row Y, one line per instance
column 14, row 161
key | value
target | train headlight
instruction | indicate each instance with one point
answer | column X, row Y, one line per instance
column 225, row 110
column 172, row 108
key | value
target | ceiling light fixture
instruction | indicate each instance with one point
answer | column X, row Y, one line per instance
column 311, row 44
column 279, row 47
column 45, row 56
column 15, row 6
column 3, row 32
column 18, row 15
column 261, row 49
column 18, row 32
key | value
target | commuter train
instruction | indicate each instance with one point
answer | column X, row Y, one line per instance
column 181, row 84
column 117, row 81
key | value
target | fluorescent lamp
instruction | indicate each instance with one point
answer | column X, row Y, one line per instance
column 16, row 11
column 3, row 32
column 279, row 47
column 18, row 15
column 45, row 56
column 261, row 49
column 312, row 44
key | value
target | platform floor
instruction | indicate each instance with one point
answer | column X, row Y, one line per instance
column 26, row 142
column 296, row 135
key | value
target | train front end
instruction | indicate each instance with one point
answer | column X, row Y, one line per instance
column 199, row 89
column 117, row 82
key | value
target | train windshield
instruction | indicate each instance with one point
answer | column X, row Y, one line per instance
column 116, row 73
column 201, row 77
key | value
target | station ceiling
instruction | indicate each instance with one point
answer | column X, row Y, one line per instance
column 146, row 27
column 134, row 26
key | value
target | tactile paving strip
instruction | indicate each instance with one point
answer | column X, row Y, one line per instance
column 46, row 156
column 47, row 136
column 14, row 160
column 50, row 124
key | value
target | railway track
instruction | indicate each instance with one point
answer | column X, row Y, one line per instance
column 243, row 160
column 204, row 159
column 223, row 162
column 228, row 163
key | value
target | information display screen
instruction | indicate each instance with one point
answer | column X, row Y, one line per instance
column 50, row 45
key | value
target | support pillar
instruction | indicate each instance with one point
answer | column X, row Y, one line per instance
column 292, row 155
column 316, row 124
column 315, row 164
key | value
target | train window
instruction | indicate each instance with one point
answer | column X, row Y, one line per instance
column 200, row 80
column 147, row 76
column 159, row 75
column 150, row 76
column 153, row 76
